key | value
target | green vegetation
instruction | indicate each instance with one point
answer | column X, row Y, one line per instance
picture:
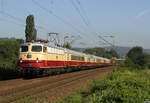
column 121, row 86
column 67, row 45
column 9, row 58
column 101, row 52
column 30, row 30
column 113, row 53
column 136, row 58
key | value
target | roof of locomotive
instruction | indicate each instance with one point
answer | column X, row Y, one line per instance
column 65, row 49
column 32, row 43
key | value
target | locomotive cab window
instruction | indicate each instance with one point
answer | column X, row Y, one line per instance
column 24, row 48
column 36, row 48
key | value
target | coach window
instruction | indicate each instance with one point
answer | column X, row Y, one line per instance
column 44, row 49
column 36, row 48
column 73, row 57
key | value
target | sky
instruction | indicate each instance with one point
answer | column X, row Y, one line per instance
column 127, row 20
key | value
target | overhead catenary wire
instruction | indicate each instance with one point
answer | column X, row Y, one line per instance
column 82, row 16
column 105, row 40
column 89, row 25
column 83, row 12
column 13, row 22
column 20, row 20
column 11, row 16
column 19, row 24
column 79, row 12
column 52, row 3
column 85, row 21
column 59, row 18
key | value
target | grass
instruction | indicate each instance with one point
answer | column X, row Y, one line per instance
column 121, row 86
column 30, row 98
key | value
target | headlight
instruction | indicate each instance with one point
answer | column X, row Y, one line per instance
column 20, row 61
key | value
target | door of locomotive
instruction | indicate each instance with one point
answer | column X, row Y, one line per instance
column 45, row 55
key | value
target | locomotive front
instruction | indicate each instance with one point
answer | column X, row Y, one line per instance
column 32, row 55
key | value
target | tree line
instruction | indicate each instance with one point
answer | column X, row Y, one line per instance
column 101, row 52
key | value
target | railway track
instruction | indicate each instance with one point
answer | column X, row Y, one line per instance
column 25, row 88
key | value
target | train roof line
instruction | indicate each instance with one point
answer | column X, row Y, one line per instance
column 65, row 49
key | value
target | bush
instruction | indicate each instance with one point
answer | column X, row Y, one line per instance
column 74, row 98
column 128, row 63
column 138, row 57
column 9, row 58
column 122, row 86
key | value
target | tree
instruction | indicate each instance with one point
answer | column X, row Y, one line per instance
column 67, row 45
column 34, row 34
column 95, row 51
column 143, row 59
column 9, row 53
column 134, row 54
column 129, row 63
column 138, row 57
column 113, row 53
column 30, row 30
column 101, row 52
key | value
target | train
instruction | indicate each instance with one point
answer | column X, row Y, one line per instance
column 40, row 57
